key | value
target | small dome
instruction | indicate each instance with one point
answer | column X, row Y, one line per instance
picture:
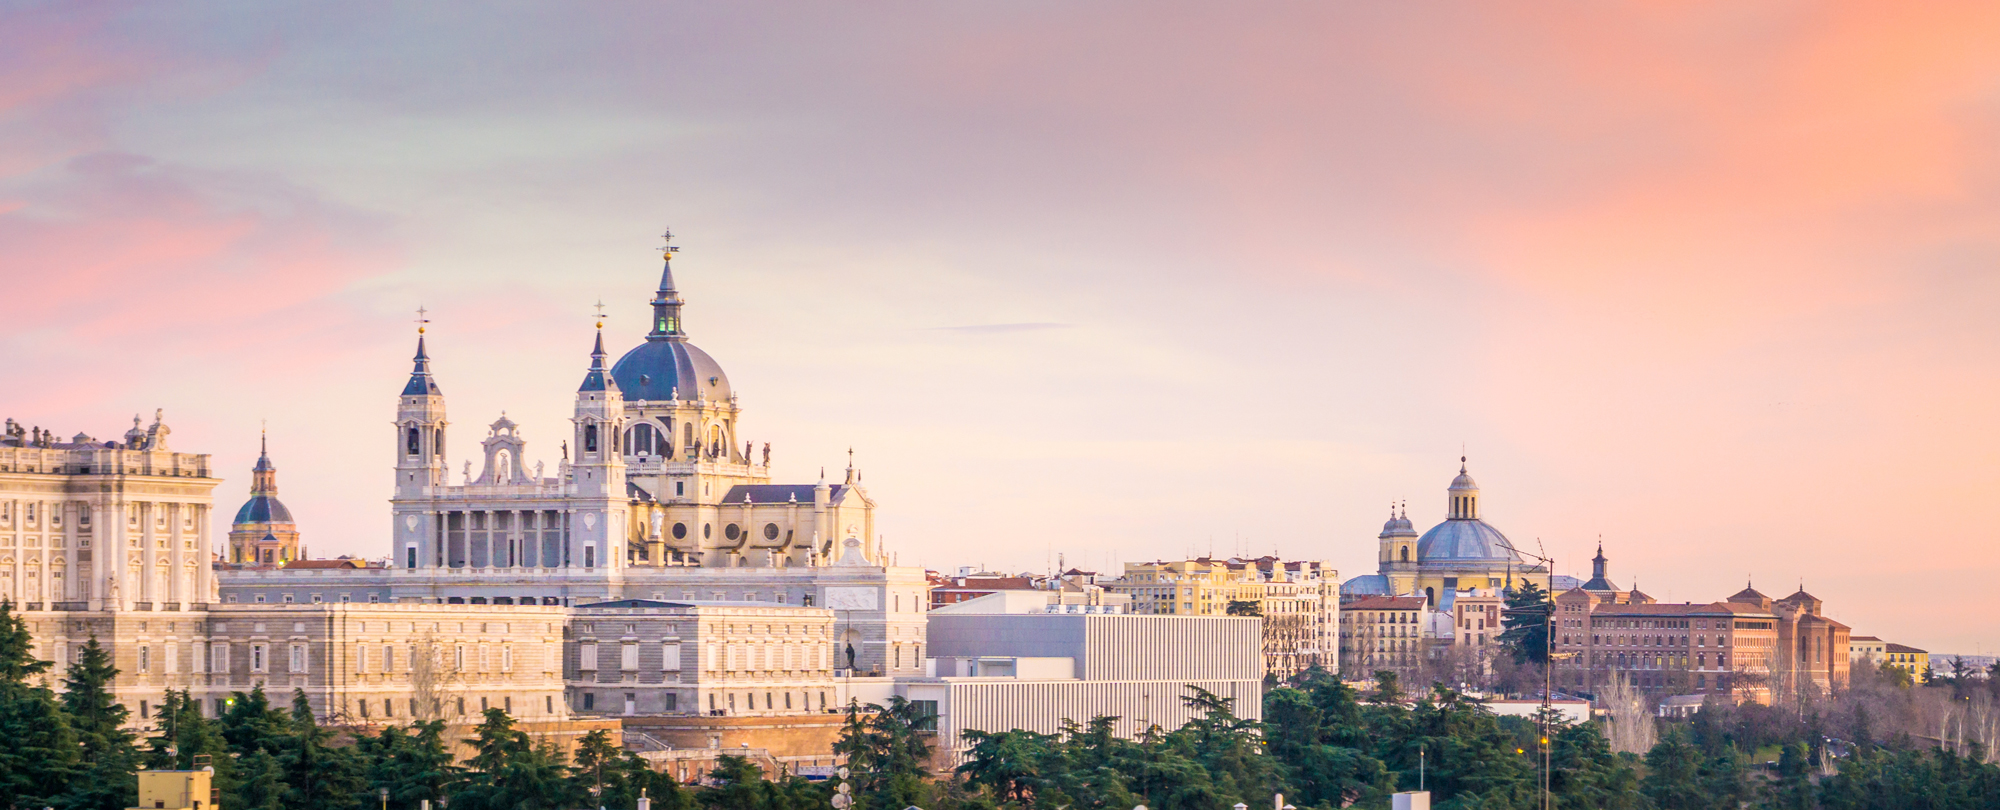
column 1464, row 482
column 664, row 370
column 1466, row 541
column 263, row 509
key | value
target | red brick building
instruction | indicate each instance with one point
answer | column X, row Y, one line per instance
column 1746, row 647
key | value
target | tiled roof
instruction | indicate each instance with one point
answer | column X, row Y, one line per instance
column 1901, row 648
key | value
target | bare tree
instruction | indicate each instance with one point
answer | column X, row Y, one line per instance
column 1631, row 727
column 432, row 678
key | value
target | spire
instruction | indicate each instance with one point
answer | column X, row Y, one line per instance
column 263, row 451
column 667, row 300
column 598, row 379
column 421, row 383
column 264, row 476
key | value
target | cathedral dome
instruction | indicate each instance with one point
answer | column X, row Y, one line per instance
column 667, row 367
column 263, row 509
column 662, row 370
column 1465, row 541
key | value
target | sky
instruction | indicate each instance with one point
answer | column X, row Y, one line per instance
column 1713, row 284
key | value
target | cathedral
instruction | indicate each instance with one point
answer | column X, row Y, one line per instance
column 653, row 498
column 1462, row 553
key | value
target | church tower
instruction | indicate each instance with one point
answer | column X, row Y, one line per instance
column 1399, row 563
column 420, row 464
column 263, row 532
column 597, row 475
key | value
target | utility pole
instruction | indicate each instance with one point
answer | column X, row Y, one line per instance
column 1548, row 661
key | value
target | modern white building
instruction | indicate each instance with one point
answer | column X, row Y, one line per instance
column 1005, row 661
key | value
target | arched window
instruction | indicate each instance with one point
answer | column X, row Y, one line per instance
column 590, row 438
column 1406, row 554
column 414, row 441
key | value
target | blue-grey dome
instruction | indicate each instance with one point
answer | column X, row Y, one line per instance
column 263, row 509
column 664, row 370
column 1366, row 585
column 1465, row 540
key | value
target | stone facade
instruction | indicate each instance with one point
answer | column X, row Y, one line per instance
column 642, row 657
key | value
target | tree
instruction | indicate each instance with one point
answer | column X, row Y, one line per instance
column 1244, row 607
column 41, row 754
column 510, row 772
column 1673, row 774
column 414, row 765
column 1526, row 620
column 320, row 776
column 108, row 755
column 888, row 752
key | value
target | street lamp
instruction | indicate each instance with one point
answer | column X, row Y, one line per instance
column 384, row 793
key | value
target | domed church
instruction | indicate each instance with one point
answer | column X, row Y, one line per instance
column 1462, row 553
column 263, row 532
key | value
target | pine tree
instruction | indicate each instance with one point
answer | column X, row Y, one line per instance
column 40, row 756
column 1526, row 620
column 108, row 753
column 320, row 776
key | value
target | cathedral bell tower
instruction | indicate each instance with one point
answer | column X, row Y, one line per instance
column 420, row 464
column 597, row 473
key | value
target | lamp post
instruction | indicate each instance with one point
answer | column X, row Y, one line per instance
column 384, row 793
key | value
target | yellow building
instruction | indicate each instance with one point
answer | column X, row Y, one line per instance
column 175, row 790
column 1462, row 553
column 1296, row 601
column 1908, row 659
column 1201, row 587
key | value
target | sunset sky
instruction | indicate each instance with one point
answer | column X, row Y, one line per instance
column 1716, row 284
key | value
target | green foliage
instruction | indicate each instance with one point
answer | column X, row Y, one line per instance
column 1526, row 620
column 320, row 776
column 740, row 785
column 1244, row 607
column 413, row 764
column 42, row 753
column 888, row 752
column 510, row 772
column 107, row 751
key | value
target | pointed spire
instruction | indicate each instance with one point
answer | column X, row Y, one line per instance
column 421, row 383
column 667, row 300
column 598, row 378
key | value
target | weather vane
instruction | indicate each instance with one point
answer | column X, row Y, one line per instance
column 421, row 320
column 600, row 313
column 667, row 243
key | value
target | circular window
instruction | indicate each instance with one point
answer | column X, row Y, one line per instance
column 732, row 532
column 770, row 531
column 680, row 531
column 707, row 531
